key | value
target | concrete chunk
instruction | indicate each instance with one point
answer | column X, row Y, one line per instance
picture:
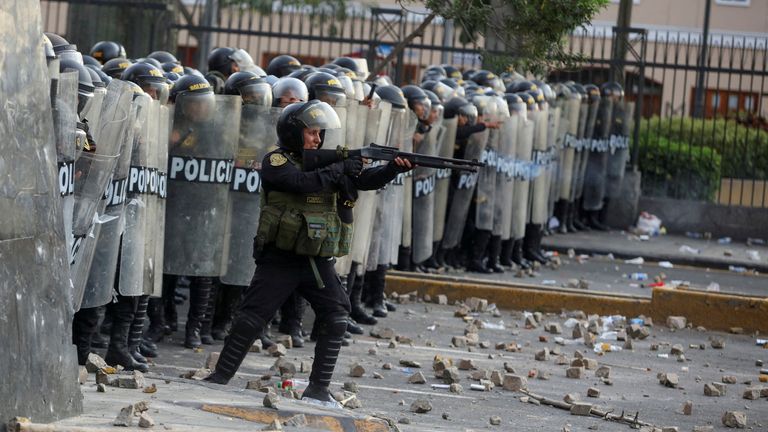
column 603, row 372
column 676, row 322
column 751, row 393
column 277, row 350
column 711, row 390
column 735, row 419
column 575, row 372
column 94, row 363
column 145, row 421
column 125, row 417
column 357, row 370
column 421, row 406
column 514, row 382
column 417, row 378
column 581, row 408
column 451, row 375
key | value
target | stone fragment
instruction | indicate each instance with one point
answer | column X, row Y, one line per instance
column 495, row 420
column 751, row 393
column 496, row 378
column 284, row 367
column 260, row 385
column 145, row 421
column 351, row 386
column 637, row 331
column 581, row 408
column 514, row 382
column 670, row 429
column 571, row 398
column 94, row 363
column 722, row 388
column 676, row 322
column 508, row 368
column 101, row 387
column 711, row 390
column 688, row 408
column 441, row 299
column 417, row 378
column 577, row 332
column 542, row 355
column 462, row 311
column 574, row 372
column 593, row 392
column 357, row 370
column 530, row 322
column 125, row 417
column 478, row 375
column 554, row 328
column 392, row 344
column 377, row 375
column 669, row 380
column 421, row 406
column 485, row 344
column 285, row 340
column 82, row 375
column 277, row 350
column 717, row 342
column 736, row 330
column 603, row 372
column 134, row 381
column 451, row 375
column 629, row 345
column 562, row 359
column 676, row 349
column 472, row 339
column 404, row 420
column 386, row 366
column 459, row 341
column 410, row 363
column 456, row 388
column 466, row 364
column 735, row 419
column 729, row 379
column 305, row 366
column 271, row 400
column 477, row 304
column 298, row 421
column 589, row 364
column 256, row 347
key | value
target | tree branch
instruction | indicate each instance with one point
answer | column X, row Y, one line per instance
column 401, row 45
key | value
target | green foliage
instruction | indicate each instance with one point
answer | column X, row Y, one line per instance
column 677, row 169
column 531, row 33
column 744, row 149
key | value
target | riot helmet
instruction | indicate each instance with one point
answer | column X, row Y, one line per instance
column 245, row 62
column 519, row 86
column 443, row 91
column 116, row 67
column 302, row 72
column 105, row 51
column 282, row 65
column 220, row 60
column 455, row 85
column 488, row 79
column 85, row 85
column 345, row 78
column 529, row 100
column 90, row 61
column 106, row 79
column 613, row 90
column 96, row 78
column 436, row 111
column 252, row 88
column 149, row 78
column 194, row 97
column 327, row 88
column 288, row 90
column 592, row 93
column 164, row 57
column 192, row 71
column 515, row 104
column 151, row 61
column 171, row 76
column 418, row 101
column 391, row 94
column 173, row 67
column 459, row 106
column 348, row 63
column 297, row 117
column 451, row 71
column 546, row 91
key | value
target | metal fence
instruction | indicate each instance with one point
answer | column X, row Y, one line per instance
column 700, row 131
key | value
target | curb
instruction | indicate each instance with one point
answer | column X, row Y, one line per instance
column 702, row 262
column 715, row 311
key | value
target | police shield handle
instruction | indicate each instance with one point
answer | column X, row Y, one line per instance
column 314, row 159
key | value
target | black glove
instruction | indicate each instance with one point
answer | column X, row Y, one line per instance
column 353, row 167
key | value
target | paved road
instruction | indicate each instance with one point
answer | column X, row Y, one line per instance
column 607, row 275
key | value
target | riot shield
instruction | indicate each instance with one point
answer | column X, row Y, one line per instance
column 101, row 276
column 443, row 176
column 555, row 138
column 257, row 136
column 93, row 171
column 337, row 137
column 201, row 150
column 131, row 267
column 463, row 186
column 523, row 175
column 392, row 199
column 407, row 145
column 424, row 198
column 486, row 183
column 64, row 125
column 570, row 124
column 597, row 159
column 163, row 132
column 94, row 110
column 586, row 133
column 506, row 175
column 619, row 148
column 540, row 163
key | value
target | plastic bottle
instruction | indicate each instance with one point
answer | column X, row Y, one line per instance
column 639, row 276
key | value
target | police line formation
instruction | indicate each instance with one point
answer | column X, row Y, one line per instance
column 169, row 177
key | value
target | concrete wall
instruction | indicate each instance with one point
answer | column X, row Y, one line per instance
column 679, row 216
column 38, row 364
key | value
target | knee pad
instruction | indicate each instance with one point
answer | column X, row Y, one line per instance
column 334, row 325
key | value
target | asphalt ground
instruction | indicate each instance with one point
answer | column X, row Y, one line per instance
column 635, row 387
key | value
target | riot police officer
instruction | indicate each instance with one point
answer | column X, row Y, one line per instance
column 295, row 245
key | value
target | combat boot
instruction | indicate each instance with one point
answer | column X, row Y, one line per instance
column 404, row 259
column 206, row 323
column 494, row 252
column 376, row 282
column 561, row 213
column 199, row 293
column 593, row 220
column 244, row 332
column 532, row 244
column 117, row 352
column 517, row 255
column 84, row 325
column 570, row 216
column 505, row 257
column 137, row 330
column 358, row 313
column 480, row 243
column 156, row 331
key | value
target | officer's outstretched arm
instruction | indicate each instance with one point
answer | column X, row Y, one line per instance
column 278, row 173
column 377, row 177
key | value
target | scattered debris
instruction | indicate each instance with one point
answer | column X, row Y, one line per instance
column 421, row 406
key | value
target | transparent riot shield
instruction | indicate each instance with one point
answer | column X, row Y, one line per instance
column 485, row 199
column 393, row 200
column 101, row 277
column 424, row 197
column 540, row 160
column 509, row 136
column 337, row 137
column 523, row 176
column 407, row 145
column 463, row 184
column 164, row 129
column 446, row 141
column 597, row 159
column 93, row 171
column 257, row 136
column 202, row 149
column 157, row 126
column 65, row 125
column 502, row 151
column 132, row 250
column 619, row 148
column 586, row 133
column 555, row 137
column 570, row 143
column 92, row 114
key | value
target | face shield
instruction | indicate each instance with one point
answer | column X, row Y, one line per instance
column 257, row 94
column 443, row 91
column 156, row 88
column 435, row 113
column 196, row 107
column 333, row 96
column 349, row 87
column 421, row 107
column 318, row 116
column 470, row 112
column 71, row 54
column 502, row 109
column 287, row 91
column 359, row 90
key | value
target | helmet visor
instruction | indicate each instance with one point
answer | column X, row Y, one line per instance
column 333, row 96
column 197, row 107
column 318, row 115
column 257, row 94
column 470, row 112
column 421, row 107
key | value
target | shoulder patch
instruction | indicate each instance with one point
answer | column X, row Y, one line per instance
column 277, row 159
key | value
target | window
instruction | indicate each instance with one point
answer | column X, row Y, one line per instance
column 743, row 3
column 726, row 103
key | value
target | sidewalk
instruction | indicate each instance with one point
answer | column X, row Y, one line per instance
column 625, row 245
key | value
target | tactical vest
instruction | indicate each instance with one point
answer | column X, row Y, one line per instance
column 305, row 224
